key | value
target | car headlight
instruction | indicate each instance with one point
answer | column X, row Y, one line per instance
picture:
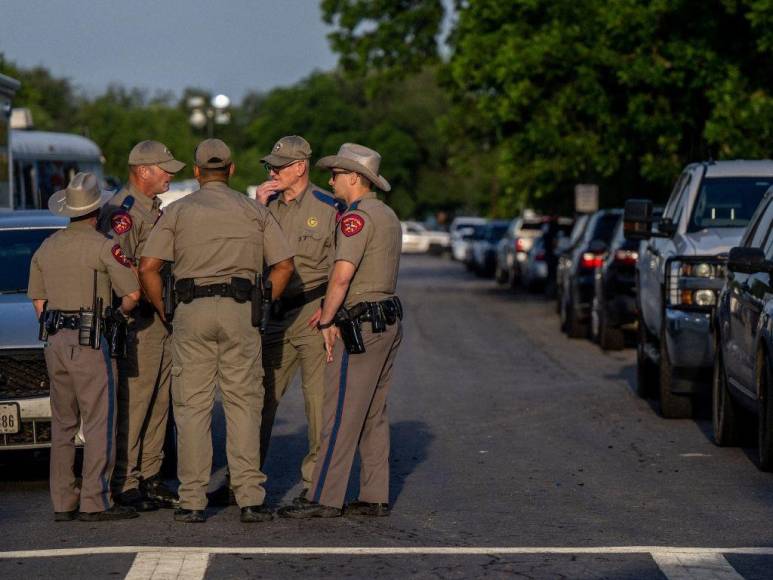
column 694, row 283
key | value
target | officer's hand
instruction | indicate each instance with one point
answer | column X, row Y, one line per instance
column 265, row 190
column 330, row 335
column 314, row 320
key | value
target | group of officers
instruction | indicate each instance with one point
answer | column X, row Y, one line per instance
column 219, row 290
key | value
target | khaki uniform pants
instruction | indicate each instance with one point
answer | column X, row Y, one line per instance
column 82, row 389
column 143, row 402
column 284, row 350
column 214, row 342
column 356, row 388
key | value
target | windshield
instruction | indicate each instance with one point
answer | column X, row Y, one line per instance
column 16, row 249
column 496, row 232
column 727, row 202
column 605, row 227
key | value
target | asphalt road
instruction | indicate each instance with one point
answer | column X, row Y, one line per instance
column 515, row 452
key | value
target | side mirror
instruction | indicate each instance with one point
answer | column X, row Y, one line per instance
column 637, row 219
column 747, row 260
column 667, row 226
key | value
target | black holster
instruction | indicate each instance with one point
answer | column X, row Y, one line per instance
column 50, row 322
column 351, row 332
column 184, row 290
column 168, row 297
column 116, row 332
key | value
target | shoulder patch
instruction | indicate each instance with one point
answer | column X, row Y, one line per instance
column 351, row 224
column 338, row 205
column 121, row 222
column 119, row 256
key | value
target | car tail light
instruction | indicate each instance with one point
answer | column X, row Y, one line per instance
column 626, row 257
column 519, row 245
column 591, row 261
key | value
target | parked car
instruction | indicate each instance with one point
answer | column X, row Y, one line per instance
column 472, row 235
column 461, row 229
column 579, row 269
column 742, row 385
column 614, row 296
column 564, row 248
column 539, row 273
column 681, row 270
column 514, row 246
column 25, row 408
column 484, row 249
column 414, row 239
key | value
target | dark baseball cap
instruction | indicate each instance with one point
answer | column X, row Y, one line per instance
column 288, row 149
column 212, row 154
column 154, row 153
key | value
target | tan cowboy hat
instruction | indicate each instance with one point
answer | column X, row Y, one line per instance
column 359, row 159
column 82, row 196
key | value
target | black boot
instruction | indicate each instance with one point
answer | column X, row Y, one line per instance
column 364, row 508
column 134, row 498
column 256, row 513
column 155, row 489
column 309, row 509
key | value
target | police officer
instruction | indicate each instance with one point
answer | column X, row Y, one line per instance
column 143, row 376
column 218, row 240
column 361, row 342
column 68, row 269
column 307, row 215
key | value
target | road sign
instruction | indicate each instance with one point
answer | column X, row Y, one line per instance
column 586, row 198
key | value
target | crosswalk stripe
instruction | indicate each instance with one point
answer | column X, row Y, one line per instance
column 695, row 566
column 169, row 565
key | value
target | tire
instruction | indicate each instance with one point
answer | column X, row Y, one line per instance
column 575, row 328
column 500, row 275
column 724, row 412
column 765, row 419
column 512, row 278
column 609, row 338
column 672, row 406
column 646, row 377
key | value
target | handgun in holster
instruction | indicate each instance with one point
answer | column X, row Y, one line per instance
column 348, row 324
column 116, row 331
column 266, row 304
column 50, row 321
column 169, row 298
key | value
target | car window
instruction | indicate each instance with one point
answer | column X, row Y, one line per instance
column 760, row 228
column 496, row 232
column 676, row 194
column 727, row 202
column 579, row 228
column 604, row 227
column 16, row 249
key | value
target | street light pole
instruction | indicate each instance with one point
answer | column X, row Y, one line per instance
column 209, row 114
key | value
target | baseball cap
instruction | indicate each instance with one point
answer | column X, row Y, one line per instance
column 154, row 153
column 212, row 154
column 288, row 149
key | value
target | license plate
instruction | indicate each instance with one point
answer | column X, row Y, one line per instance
column 9, row 418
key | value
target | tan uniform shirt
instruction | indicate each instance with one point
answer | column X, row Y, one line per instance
column 369, row 236
column 132, row 232
column 309, row 222
column 217, row 233
column 62, row 269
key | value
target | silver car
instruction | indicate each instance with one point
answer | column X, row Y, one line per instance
column 25, row 408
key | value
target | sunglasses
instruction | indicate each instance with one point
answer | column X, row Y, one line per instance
column 277, row 168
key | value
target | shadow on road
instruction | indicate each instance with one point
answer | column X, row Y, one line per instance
column 410, row 441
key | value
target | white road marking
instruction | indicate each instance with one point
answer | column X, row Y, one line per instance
column 172, row 565
column 695, row 566
column 190, row 563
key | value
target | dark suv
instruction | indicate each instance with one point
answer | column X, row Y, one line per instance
column 578, row 267
column 743, row 366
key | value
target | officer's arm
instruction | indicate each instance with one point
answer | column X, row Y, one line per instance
column 337, row 287
column 129, row 301
column 39, row 304
column 280, row 276
column 152, row 284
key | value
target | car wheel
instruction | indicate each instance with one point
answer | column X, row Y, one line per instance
column 610, row 338
column 765, row 419
column 500, row 275
column 672, row 406
column 575, row 328
column 646, row 377
column 724, row 415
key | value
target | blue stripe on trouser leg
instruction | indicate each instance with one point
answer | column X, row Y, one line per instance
column 336, row 427
column 105, row 477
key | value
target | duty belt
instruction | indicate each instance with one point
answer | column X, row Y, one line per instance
column 212, row 290
column 240, row 289
column 284, row 305
column 379, row 314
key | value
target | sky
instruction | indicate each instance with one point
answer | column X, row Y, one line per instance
column 223, row 46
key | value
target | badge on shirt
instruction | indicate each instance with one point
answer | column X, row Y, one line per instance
column 121, row 222
column 120, row 257
column 312, row 222
column 351, row 224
